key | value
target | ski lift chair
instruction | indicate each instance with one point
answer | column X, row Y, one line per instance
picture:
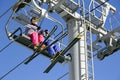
column 23, row 39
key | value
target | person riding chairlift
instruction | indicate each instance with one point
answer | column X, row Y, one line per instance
column 53, row 49
column 32, row 31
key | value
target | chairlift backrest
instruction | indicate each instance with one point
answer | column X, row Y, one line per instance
column 22, row 19
column 33, row 13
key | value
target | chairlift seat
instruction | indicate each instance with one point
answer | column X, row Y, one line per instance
column 26, row 41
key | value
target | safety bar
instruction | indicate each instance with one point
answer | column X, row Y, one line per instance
column 18, row 29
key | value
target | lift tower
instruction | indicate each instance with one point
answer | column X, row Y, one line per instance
column 87, row 17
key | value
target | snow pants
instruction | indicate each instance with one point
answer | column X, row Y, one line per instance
column 54, row 48
column 36, row 38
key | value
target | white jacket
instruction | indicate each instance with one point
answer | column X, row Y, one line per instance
column 30, row 29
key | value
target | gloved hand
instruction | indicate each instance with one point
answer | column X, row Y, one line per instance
column 46, row 31
column 41, row 32
column 38, row 28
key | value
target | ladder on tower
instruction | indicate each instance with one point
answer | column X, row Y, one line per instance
column 90, row 56
column 83, row 57
column 86, row 54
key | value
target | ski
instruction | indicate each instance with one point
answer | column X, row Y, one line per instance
column 30, row 57
column 35, row 55
column 57, row 56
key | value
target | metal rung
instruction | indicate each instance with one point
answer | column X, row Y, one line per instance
column 83, row 68
column 95, row 48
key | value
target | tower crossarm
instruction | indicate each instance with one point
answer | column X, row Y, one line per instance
column 65, row 8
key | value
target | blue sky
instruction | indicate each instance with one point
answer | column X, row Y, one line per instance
column 107, row 69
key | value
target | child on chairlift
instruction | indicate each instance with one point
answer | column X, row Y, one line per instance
column 37, row 37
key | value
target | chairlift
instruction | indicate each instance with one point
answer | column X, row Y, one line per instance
column 21, row 38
